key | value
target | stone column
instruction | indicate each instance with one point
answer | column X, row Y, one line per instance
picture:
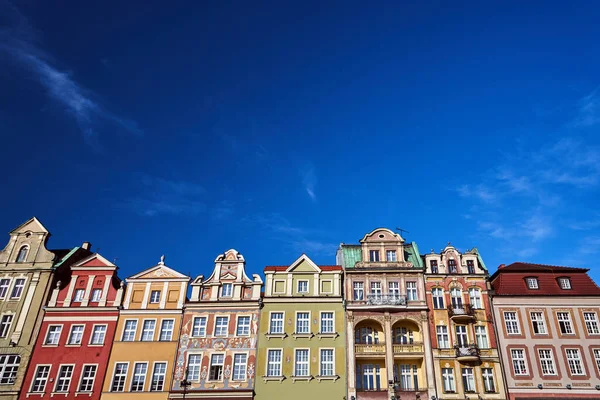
column 88, row 291
column 428, row 355
column 351, row 361
column 389, row 349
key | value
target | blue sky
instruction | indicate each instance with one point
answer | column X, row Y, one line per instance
column 278, row 130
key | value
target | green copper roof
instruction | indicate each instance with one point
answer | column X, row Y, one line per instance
column 479, row 258
column 413, row 255
column 66, row 257
column 351, row 254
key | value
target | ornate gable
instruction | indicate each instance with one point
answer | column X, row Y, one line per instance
column 159, row 271
column 304, row 264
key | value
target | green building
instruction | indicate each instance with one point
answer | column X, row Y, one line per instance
column 301, row 346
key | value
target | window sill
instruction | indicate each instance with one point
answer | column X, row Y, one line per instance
column 96, row 345
column 41, row 394
column 73, row 345
column 331, row 335
column 274, row 378
column 52, row 394
column 49, row 345
column 303, row 335
column 302, row 378
column 327, row 378
column 276, row 335
column 89, row 394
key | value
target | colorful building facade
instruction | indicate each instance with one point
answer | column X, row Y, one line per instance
column 143, row 355
column 465, row 354
column 388, row 341
column 301, row 345
column 216, row 358
column 78, row 327
column 547, row 319
column 26, row 270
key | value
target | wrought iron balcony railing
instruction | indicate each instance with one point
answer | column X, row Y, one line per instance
column 467, row 350
column 386, row 299
column 461, row 310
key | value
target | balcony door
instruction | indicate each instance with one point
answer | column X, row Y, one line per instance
column 461, row 336
column 368, row 377
column 406, row 375
column 366, row 335
column 456, row 297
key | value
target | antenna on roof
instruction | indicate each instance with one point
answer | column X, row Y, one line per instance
column 402, row 230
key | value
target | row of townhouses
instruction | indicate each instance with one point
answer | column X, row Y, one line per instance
column 384, row 322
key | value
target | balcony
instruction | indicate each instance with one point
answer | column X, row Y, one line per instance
column 461, row 313
column 386, row 300
column 408, row 348
column 383, row 264
column 369, row 349
column 468, row 352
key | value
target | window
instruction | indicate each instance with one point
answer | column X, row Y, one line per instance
column 96, row 295
column 88, row 375
column 408, row 376
column 22, row 256
column 63, row 380
column 303, row 322
column 79, row 293
column 488, row 380
column 98, row 334
column 565, row 283
column 274, row 362
column 481, row 337
column 411, row 291
column 564, row 322
column 155, row 297
column 511, row 323
column 139, row 377
column 301, row 363
column 537, row 322
column 9, row 366
column 166, row 330
column 597, row 358
column 227, row 290
column 276, row 323
column 434, row 266
column 327, row 322
column 118, row 382
column 547, row 362
column 53, row 334
column 5, row 325
column 402, row 335
column 591, row 323
column 448, row 378
column 76, row 334
column 199, row 326
column 390, row 255
column 148, row 330
column 574, row 361
column 442, row 337
column 18, row 288
column 518, row 361
column 394, row 289
column 4, row 284
column 327, row 363
column 239, row 367
column 376, row 289
column 129, row 330
column 302, row 286
column 532, row 283
column 468, row 380
column 438, row 298
column 374, row 255
column 221, row 324
column 216, row 367
column 371, row 376
column 243, row 326
column 158, row 377
column 41, row 378
column 462, row 339
column 475, row 298
column 194, row 364
column 359, row 291
column 456, row 297
column 366, row 335
column 470, row 267
column 452, row 266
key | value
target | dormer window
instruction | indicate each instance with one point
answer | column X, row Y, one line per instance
column 22, row 256
column 452, row 266
column 470, row 266
column 532, row 283
column 302, row 286
column 227, row 290
column 565, row 283
column 155, row 297
column 79, row 295
column 96, row 294
column 374, row 255
column 434, row 266
column 390, row 255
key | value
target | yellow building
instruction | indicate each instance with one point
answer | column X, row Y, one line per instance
column 143, row 353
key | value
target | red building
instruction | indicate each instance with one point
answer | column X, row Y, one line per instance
column 72, row 350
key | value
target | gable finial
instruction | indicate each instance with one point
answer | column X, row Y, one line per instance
column 162, row 260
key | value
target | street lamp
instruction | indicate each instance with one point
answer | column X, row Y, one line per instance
column 185, row 383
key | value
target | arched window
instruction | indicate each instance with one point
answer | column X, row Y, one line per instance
column 456, row 297
column 366, row 335
column 22, row 256
column 403, row 335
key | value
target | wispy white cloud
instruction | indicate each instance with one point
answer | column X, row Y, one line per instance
column 309, row 179
column 588, row 111
column 83, row 105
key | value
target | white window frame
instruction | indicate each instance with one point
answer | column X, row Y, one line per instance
column 239, row 367
column 96, row 295
column 564, row 283
column 300, row 283
column 218, row 327
column 82, row 377
column 391, row 256
column 169, row 331
column 521, row 361
column 412, row 293
column 134, row 374
column 70, row 337
column 211, row 364
column 78, row 295
column 326, row 365
column 468, row 379
column 9, row 368
column 44, row 379
column 46, row 342
column 195, row 368
column 123, row 375
column 69, row 379
column 127, row 332
column 590, row 319
column 271, row 322
column 481, row 337
column 278, row 363
column 18, row 257
column 487, row 374
column 538, row 321
column 596, row 354
column 4, row 288
column 374, row 256
column 245, row 328
column 475, row 298
column 20, row 283
column 227, row 292
column 567, row 322
column 448, row 380
column 547, row 363
column 574, row 362
column 322, row 319
column 512, row 325
column 442, row 333
column 154, row 300
column 437, row 294
column 532, row 283
column 297, row 330
column 155, row 364
column 302, row 363
column 358, row 290
column 92, row 336
column 6, row 325
column 144, row 330
column 201, row 328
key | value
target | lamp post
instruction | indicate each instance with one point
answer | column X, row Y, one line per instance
column 185, row 382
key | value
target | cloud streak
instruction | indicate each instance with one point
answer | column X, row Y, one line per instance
column 82, row 104
column 309, row 180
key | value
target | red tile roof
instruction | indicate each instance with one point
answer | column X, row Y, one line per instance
column 279, row 268
column 510, row 280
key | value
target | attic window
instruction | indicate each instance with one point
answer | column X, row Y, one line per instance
column 532, row 283
column 564, row 283
column 381, row 236
column 22, row 256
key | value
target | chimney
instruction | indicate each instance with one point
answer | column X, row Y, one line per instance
column 501, row 266
column 86, row 245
